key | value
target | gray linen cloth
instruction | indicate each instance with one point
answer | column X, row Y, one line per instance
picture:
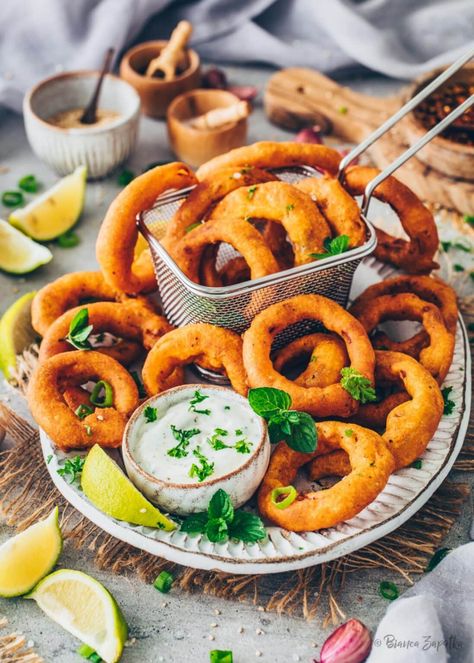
column 398, row 38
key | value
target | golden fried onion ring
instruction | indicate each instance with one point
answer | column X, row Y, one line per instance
column 216, row 348
column 326, row 354
column 371, row 465
column 134, row 320
column 118, row 233
column 331, row 400
column 416, row 255
column 410, row 425
column 269, row 154
column 104, row 426
column 438, row 355
column 338, row 208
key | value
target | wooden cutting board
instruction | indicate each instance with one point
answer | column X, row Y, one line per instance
column 298, row 97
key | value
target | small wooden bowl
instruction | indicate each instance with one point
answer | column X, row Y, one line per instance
column 447, row 156
column 156, row 94
column 196, row 146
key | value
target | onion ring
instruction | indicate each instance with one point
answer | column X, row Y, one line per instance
column 133, row 320
column 338, row 208
column 269, row 154
column 118, row 233
column 67, row 292
column 410, row 425
column 282, row 203
column 214, row 347
column 371, row 465
column 438, row 354
column 326, row 354
column 196, row 207
column 238, row 233
column 429, row 289
column 326, row 401
column 414, row 256
column 104, row 426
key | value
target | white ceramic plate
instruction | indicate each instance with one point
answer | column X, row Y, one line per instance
column 406, row 492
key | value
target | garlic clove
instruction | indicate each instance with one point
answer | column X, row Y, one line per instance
column 349, row 643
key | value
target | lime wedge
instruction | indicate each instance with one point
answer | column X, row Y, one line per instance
column 29, row 556
column 56, row 210
column 104, row 483
column 18, row 253
column 83, row 606
column 16, row 333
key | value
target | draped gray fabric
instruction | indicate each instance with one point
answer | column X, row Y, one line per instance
column 398, row 38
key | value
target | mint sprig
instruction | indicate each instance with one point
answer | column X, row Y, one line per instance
column 297, row 429
column 334, row 247
column 80, row 330
column 221, row 522
column 357, row 385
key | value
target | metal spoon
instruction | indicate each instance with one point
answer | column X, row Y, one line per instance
column 89, row 116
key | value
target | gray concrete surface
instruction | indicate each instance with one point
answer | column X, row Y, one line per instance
column 176, row 627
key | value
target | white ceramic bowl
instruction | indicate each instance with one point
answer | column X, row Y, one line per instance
column 100, row 148
column 184, row 498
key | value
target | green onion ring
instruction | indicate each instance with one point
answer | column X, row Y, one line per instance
column 290, row 493
column 12, row 198
column 83, row 411
column 29, row 183
column 388, row 590
column 108, row 399
column 163, row 582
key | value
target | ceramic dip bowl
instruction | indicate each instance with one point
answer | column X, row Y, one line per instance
column 100, row 147
column 168, row 481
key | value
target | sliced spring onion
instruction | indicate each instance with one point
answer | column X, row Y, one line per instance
column 29, row 183
column 12, row 198
column 437, row 557
column 388, row 590
column 283, row 496
column 83, row 411
column 68, row 240
column 107, row 400
column 88, row 653
column 163, row 582
column 220, row 656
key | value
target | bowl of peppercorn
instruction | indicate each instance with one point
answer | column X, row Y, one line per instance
column 452, row 152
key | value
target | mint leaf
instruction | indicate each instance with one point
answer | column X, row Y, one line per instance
column 334, row 247
column 195, row 523
column 216, row 530
column 357, row 385
column 220, row 506
column 80, row 330
column 247, row 527
column 266, row 401
column 150, row 413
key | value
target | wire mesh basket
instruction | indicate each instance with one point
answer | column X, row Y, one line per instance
column 185, row 302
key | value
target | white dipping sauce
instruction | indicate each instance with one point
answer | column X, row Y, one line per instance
column 170, row 456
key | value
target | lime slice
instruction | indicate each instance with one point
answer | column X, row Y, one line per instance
column 104, row 483
column 83, row 606
column 16, row 333
column 56, row 210
column 18, row 253
column 29, row 556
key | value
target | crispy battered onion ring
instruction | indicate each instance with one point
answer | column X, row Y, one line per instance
column 410, row 425
column 214, row 347
column 238, row 233
column 67, row 292
column 106, row 425
column 414, row 256
column 269, row 154
column 429, row 289
column 438, row 355
column 118, row 234
column 197, row 206
column 326, row 401
column 282, row 203
column 326, row 355
column 134, row 321
column 339, row 208
column 371, row 465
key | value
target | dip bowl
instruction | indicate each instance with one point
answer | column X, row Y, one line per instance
column 193, row 496
column 102, row 147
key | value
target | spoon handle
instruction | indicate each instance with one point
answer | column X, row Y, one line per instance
column 89, row 115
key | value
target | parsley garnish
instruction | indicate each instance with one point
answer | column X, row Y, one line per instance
column 238, row 432
column 417, row 464
column 80, row 330
column 222, row 522
column 72, row 469
column 251, row 191
column 357, row 385
column 348, row 432
column 215, row 439
column 196, row 399
column 458, row 268
column 449, row 405
column 243, row 446
column 334, row 247
column 150, row 413
column 183, row 437
column 446, row 246
column 297, row 429
column 290, row 207
column 204, row 469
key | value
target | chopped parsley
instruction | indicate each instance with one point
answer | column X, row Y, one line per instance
column 449, row 405
column 290, row 207
column 458, row 268
column 205, row 467
column 182, row 436
column 251, row 191
column 417, row 464
column 348, row 432
column 150, row 413
column 243, row 446
column 72, row 468
column 357, row 385
column 196, row 399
